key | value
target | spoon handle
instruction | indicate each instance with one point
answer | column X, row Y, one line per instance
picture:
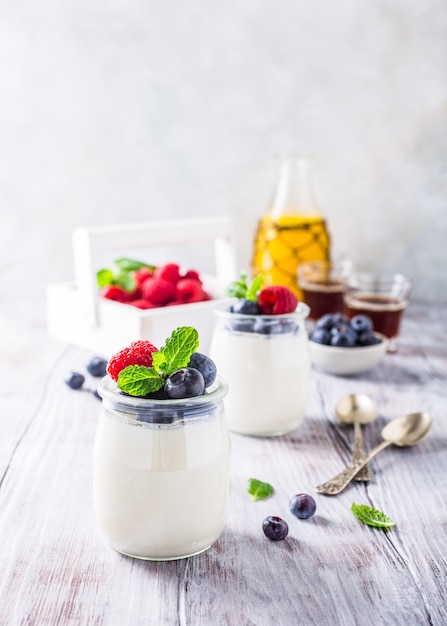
column 358, row 454
column 342, row 480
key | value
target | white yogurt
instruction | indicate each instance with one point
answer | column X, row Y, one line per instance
column 267, row 375
column 161, row 490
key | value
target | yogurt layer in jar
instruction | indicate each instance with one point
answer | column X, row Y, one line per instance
column 266, row 362
column 161, row 472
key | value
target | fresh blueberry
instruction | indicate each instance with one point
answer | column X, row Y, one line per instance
column 274, row 327
column 242, row 325
column 157, row 395
column 75, row 380
column 368, row 339
column 267, row 327
column 344, row 329
column 157, row 417
column 302, row 505
column 246, row 307
column 343, row 339
column 320, row 335
column 205, row 365
column 97, row 366
column 186, row 382
column 325, row 322
column 330, row 320
column 275, row 528
column 361, row 323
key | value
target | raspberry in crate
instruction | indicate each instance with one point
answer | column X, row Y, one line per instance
column 156, row 300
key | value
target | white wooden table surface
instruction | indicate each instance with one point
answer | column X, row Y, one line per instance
column 56, row 569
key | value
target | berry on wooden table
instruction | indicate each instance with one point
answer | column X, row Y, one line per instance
column 302, row 505
column 75, row 380
column 97, row 366
column 275, row 528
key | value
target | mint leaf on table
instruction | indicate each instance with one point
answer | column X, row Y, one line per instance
column 258, row 489
column 139, row 380
column 242, row 290
column 370, row 516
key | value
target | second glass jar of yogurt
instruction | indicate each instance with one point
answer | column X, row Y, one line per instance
column 161, row 472
column 266, row 361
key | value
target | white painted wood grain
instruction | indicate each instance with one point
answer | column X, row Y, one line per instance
column 56, row 569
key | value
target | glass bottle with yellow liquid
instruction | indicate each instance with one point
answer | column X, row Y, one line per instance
column 292, row 232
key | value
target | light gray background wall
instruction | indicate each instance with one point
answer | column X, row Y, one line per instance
column 130, row 110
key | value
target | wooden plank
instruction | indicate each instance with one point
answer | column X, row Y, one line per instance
column 55, row 568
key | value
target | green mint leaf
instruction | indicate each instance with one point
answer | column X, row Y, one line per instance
column 124, row 264
column 121, row 273
column 139, row 380
column 159, row 361
column 104, row 278
column 370, row 516
column 255, row 287
column 177, row 351
column 126, row 281
column 258, row 489
column 240, row 288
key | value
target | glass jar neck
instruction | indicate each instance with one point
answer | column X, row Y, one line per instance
column 150, row 410
column 294, row 193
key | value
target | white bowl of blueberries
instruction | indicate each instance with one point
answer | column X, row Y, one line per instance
column 346, row 347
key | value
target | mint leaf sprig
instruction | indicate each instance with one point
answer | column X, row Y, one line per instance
column 242, row 290
column 258, row 489
column 121, row 273
column 371, row 516
column 140, row 380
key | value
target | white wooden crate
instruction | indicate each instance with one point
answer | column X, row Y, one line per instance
column 78, row 315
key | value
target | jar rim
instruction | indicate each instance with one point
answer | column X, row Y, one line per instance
column 108, row 390
column 223, row 310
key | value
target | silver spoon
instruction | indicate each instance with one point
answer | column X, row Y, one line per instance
column 357, row 409
column 407, row 430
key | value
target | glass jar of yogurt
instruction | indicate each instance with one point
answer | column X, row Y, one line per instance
column 266, row 361
column 161, row 472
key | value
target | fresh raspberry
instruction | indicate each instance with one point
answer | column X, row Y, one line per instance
column 192, row 274
column 190, row 290
column 175, row 303
column 137, row 353
column 277, row 300
column 140, row 303
column 158, row 291
column 114, row 292
column 169, row 272
column 141, row 275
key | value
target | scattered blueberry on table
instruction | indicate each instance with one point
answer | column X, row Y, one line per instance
column 97, row 366
column 302, row 505
column 275, row 528
column 75, row 380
